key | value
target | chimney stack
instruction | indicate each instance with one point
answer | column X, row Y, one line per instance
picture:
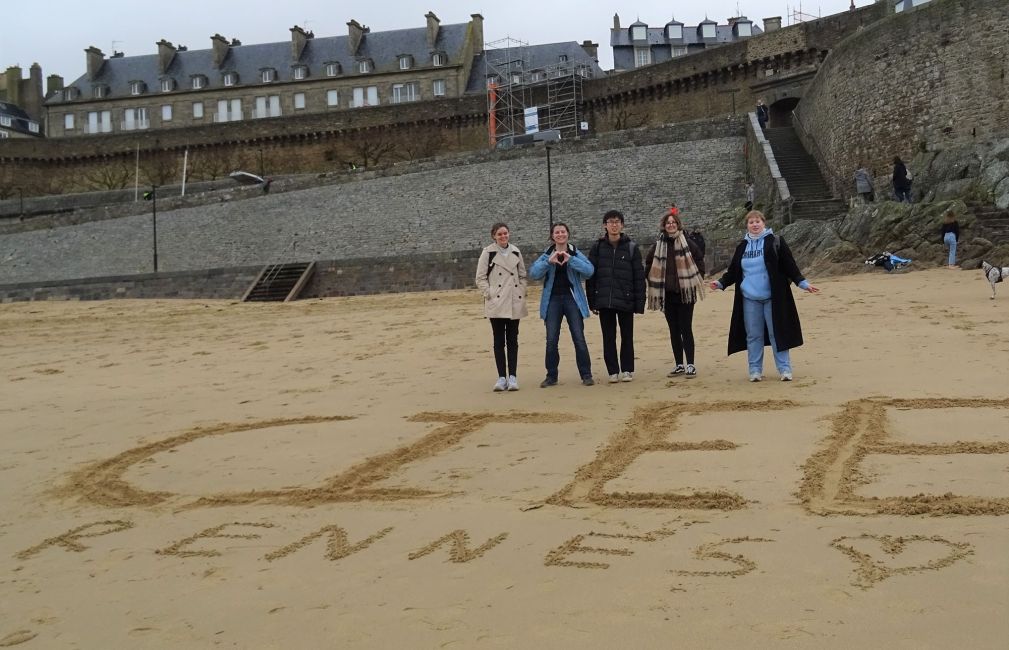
column 433, row 24
column 476, row 25
column 221, row 47
column 356, row 33
column 592, row 49
column 166, row 53
column 54, row 82
column 772, row 24
column 95, row 61
column 616, row 21
column 298, row 41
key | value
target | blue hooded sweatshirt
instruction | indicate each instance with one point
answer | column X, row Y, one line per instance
column 756, row 284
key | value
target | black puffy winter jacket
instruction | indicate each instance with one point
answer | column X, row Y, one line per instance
column 619, row 280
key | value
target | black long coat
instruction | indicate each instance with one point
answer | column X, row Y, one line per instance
column 619, row 280
column 782, row 270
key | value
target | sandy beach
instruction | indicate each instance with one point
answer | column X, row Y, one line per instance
column 338, row 473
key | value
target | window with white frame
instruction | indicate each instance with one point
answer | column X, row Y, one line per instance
column 137, row 87
column 639, row 33
column 405, row 62
column 438, row 59
column 642, row 56
column 679, row 50
column 300, row 72
column 708, row 30
column 71, row 93
column 197, row 110
column 230, row 78
column 538, row 75
column 268, row 75
column 99, row 92
column 5, row 120
column 299, row 101
column 562, row 58
column 136, row 118
column 365, row 96
column 332, row 98
column 4, row 135
column 438, row 87
column 364, row 66
column 674, row 32
column 100, row 122
column 166, row 113
column 744, row 29
column 228, row 110
column 33, row 127
column 583, row 71
column 267, row 106
column 68, row 122
column 332, row 69
column 167, row 85
column 199, row 81
column 408, row 92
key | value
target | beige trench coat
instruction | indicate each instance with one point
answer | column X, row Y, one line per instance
column 504, row 287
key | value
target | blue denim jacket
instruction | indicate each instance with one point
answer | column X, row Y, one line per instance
column 578, row 268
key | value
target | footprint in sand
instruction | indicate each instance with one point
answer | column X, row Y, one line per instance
column 17, row 638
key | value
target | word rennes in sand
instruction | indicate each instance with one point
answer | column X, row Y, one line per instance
column 828, row 485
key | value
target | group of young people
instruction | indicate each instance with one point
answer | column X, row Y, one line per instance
column 615, row 281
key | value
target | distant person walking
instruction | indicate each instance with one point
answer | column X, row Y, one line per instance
column 950, row 237
column 763, row 309
column 762, row 114
column 501, row 278
column 616, row 291
column 564, row 267
column 675, row 284
column 751, row 195
column 863, row 184
column 901, row 180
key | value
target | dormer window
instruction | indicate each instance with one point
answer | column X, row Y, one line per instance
column 744, row 29
column 583, row 71
column 299, row 72
column 268, row 75
column 138, row 87
column 639, row 33
column 167, row 85
column 438, row 59
column 674, row 32
column 199, row 82
column 562, row 58
column 364, row 66
column 5, row 120
column 707, row 29
column 230, row 78
column 405, row 62
column 33, row 127
column 71, row 93
column 332, row 69
column 100, row 91
column 538, row 75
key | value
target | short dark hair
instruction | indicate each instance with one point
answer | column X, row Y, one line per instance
column 498, row 226
column 613, row 214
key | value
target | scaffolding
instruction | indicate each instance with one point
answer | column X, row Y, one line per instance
column 513, row 86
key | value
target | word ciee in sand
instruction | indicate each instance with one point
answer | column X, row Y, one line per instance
column 827, row 487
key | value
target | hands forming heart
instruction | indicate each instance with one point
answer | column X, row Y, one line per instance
column 559, row 257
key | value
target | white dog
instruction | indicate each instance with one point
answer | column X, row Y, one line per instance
column 994, row 275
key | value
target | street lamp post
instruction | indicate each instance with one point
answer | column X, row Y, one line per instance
column 21, row 202
column 550, row 190
column 154, row 224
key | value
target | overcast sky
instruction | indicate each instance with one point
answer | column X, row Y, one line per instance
column 55, row 33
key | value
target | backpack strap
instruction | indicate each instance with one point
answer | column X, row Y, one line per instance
column 490, row 263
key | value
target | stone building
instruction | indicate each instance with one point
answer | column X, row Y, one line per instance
column 16, row 123
column 21, row 111
column 639, row 45
column 228, row 82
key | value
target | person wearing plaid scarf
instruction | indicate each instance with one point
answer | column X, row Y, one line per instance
column 675, row 284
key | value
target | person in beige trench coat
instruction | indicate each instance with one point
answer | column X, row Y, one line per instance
column 501, row 278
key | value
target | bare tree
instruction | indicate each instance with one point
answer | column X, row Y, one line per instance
column 162, row 169
column 111, row 175
column 426, row 145
column 211, row 164
column 369, row 149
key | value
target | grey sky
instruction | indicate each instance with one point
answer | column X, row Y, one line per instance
column 55, row 32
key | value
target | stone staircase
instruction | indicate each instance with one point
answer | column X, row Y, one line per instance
column 992, row 221
column 280, row 282
column 812, row 197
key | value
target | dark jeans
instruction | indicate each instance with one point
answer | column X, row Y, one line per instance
column 565, row 307
column 903, row 195
column 680, row 319
column 608, row 319
column 506, row 333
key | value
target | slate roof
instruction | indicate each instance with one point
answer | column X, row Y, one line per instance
column 382, row 48
column 534, row 57
column 19, row 119
column 657, row 35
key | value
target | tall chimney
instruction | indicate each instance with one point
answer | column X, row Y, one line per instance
column 166, row 53
column 95, row 61
column 433, row 24
column 592, row 49
column 54, row 82
column 298, row 41
column 221, row 47
column 772, row 24
column 616, row 21
column 476, row 24
column 356, row 33
column 12, row 82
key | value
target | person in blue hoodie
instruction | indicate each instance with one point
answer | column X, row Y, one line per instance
column 763, row 309
column 565, row 269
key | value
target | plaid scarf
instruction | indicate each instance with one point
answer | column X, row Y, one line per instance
column 691, row 285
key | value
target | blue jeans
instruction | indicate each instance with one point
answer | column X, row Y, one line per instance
column 565, row 307
column 950, row 240
column 757, row 314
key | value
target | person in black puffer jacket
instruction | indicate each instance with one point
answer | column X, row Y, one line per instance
column 616, row 292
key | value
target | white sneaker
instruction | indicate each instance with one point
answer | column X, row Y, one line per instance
column 626, row 376
column 786, row 376
column 614, row 379
column 756, row 376
column 678, row 370
column 500, row 385
column 513, row 382
column 691, row 371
